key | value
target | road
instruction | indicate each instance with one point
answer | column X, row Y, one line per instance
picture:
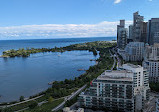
column 119, row 64
column 114, row 58
column 69, row 98
column 150, row 105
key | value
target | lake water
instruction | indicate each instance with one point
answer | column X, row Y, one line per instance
column 28, row 76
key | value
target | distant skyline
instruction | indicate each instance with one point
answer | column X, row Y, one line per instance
column 29, row 19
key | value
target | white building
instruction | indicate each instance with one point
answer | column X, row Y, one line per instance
column 67, row 109
column 141, row 84
column 141, row 79
column 111, row 91
column 151, row 61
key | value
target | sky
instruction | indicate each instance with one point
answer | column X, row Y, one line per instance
column 28, row 19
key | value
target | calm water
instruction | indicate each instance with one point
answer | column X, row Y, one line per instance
column 28, row 76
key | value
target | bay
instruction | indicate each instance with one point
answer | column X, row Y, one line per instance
column 29, row 76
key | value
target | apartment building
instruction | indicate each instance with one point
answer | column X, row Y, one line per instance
column 133, row 51
column 151, row 61
column 121, row 90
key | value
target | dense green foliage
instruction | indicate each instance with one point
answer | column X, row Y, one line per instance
column 47, row 107
column 33, row 105
column 154, row 87
column 64, row 88
column 71, row 102
column 91, row 46
column 21, row 98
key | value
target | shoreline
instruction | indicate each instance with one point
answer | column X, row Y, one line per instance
column 107, row 45
column 48, row 83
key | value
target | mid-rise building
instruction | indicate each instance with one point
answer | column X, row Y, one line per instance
column 133, row 51
column 153, row 30
column 111, row 91
column 151, row 61
column 121, row 90
column 121, row 35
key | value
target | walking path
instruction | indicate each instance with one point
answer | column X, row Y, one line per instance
column 21, row 102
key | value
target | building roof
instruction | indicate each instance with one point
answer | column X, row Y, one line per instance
column 132, row 65
column 118, row 75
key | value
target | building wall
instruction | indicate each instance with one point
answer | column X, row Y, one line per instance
column 109, row 96
column 153, row 27
column 131, row 32
column 121, row 35
column 156, row 37
column 151, row 62
column 134, row 51
column 153, row 68
column 141, row 81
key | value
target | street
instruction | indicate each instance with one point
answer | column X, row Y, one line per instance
column 69, row 98
column 150, row 105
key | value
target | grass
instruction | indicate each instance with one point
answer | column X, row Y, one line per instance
column 47, row 107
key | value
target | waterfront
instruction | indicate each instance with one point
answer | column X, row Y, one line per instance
column 28, row 76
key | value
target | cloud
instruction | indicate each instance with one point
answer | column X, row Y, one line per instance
column 101, row 29
column 117, row 1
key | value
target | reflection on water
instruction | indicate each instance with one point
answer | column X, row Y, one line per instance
column 28, row 76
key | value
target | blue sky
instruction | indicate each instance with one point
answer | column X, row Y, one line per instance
column 69, row 18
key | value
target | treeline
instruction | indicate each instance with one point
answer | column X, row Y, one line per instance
column 154, row 87
column 91, row 46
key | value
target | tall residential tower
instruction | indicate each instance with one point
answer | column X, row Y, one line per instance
column 121, row 35
column 153, row 31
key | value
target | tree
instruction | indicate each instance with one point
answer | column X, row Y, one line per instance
column 21, row 98
column 33, row 105
column 50, row 99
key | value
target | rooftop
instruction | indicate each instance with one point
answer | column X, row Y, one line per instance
column 118, row 75
column 133, row 66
